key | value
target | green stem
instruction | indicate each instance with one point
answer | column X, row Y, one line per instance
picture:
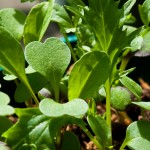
column 125, row 61
column 25, row 81
column 70, row 47
column 108, row 107
column 98, row 145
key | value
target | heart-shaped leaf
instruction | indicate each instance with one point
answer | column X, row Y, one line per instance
column 137, row 136
column 13, row 20
column 4, row 108
column 50, row 59
column 37, row 21
column 88, row 74
column 76, row 108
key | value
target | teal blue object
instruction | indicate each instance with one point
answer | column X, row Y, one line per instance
column 1, row 69
column 71, row 38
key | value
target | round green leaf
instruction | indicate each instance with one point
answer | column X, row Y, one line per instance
column 4, row 108
column 13, row 20
column 76, row 108
column 137, row 136
column 88, row 74
column 120, row 98
column 49, row 59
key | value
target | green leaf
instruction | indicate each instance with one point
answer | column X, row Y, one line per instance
column 100, row 129
column 37, row 82
column 132, row 86
column 70, row 141
column 36, row 131
column 37, row 21
column 137, row 136
column 61, row 16
column 88, row 74
column 50, row 59
column 145, row 105
column 33, row 129
column 5, row 124
column 11, row 55
column 144, row 11
column 4, row 108
column 12, row 58
column 76, row 108
column 13, row 20
column 120, row 98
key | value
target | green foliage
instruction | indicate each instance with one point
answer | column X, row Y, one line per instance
column 50, row 59
column 120, row 98
column 37, row 21
column 17, row 19
column 105, row 44
column 70, row 141
column 136, row 136
column 52, row 109
column 5, row 109
column 86, row 76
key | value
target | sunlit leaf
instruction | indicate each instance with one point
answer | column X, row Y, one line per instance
column 13, row 20
column 137, row 136
column 88, row 74
column 76, row 108
column 5, row 109
column 37, row 21
column 132, row 86
column 50, row 59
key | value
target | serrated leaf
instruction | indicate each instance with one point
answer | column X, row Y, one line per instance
column 5, row 109
column 70, row 141
column 145, row 105
column 100, row 129
column 37, row 21
column 120, row 98
column 37, row 82
column 17, row 19
column 88, row 74
column 36, row 131
column 76, row 108
column 132, row 86
column 137, row 136
column 144, row 11
column 49, row 59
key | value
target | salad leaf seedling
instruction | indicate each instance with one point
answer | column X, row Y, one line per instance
column 76, row 77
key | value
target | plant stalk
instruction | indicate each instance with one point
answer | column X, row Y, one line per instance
column 98, row 145
column 108, row 107
column 70, row 47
